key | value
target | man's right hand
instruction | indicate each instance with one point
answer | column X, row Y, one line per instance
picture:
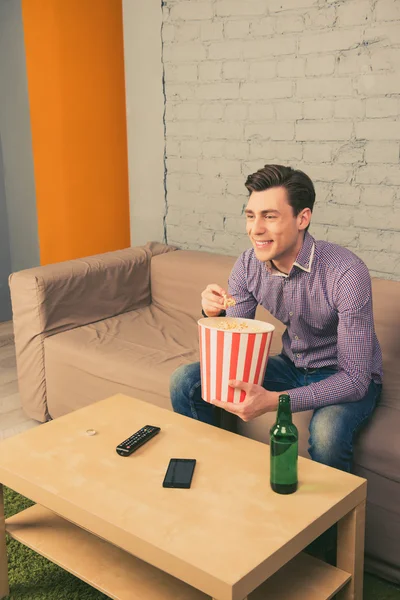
column 213, row 300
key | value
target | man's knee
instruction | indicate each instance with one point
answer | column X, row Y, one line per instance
column 330, row 440
column 177, row 377
column 185, row 375
column 183, row 380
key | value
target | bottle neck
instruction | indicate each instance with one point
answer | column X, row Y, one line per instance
column 284, row 413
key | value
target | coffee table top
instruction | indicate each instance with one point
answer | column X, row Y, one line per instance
column 224, row 535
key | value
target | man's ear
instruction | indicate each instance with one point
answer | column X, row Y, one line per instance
column 304, row 218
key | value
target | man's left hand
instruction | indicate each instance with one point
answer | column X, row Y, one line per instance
column 257, row 401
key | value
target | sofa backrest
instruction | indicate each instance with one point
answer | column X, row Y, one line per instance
column 177, row 280
column 386, row 303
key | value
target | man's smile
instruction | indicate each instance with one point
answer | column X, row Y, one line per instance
column 263, row 243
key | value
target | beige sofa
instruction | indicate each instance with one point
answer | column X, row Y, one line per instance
column 123, row 321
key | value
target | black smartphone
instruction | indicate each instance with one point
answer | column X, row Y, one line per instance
column 179, row 473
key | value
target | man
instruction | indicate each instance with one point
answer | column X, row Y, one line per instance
column 331, row 360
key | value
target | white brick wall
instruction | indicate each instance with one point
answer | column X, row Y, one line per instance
column 312, row 84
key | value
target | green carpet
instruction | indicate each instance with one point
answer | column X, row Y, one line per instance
column 32, row 577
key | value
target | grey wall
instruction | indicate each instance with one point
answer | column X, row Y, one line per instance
column 15, row 132
column 5, row 259
column 145, row 112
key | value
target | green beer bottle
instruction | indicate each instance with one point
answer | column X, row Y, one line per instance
column 284, row 442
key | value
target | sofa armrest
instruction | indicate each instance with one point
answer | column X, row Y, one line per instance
column 53, row 298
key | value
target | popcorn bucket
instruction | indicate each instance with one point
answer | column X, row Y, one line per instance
column 232, row 348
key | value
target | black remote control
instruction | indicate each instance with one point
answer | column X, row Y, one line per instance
column 137, row 439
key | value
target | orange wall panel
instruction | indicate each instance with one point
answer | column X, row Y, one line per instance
column 76, row 87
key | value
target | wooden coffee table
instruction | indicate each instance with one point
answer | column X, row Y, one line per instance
column 109, row 521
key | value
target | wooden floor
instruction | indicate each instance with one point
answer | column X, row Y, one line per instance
column 13, row 420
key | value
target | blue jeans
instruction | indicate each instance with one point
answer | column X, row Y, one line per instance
column 332, row 428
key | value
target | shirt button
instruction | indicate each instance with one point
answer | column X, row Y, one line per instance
column 296, row 337
column 291, row 314
column 298, row 355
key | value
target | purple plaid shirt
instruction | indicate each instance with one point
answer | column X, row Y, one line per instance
column 326, row 304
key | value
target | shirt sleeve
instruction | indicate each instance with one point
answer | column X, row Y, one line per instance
column 355, row 339
column 246, row 304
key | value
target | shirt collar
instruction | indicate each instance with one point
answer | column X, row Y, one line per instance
column 304, row 258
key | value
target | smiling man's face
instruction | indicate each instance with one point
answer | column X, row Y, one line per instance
column 274, row 230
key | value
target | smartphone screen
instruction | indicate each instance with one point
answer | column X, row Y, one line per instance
column 179, row 473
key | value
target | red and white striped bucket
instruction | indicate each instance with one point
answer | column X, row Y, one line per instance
column 232, row 348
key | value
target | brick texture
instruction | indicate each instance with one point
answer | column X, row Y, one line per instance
column 311, row 84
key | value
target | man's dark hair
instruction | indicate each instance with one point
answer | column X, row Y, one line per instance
column 299, row 187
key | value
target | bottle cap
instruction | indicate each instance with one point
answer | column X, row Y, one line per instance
column 91, row 432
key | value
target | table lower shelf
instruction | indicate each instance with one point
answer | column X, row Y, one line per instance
column 122, row 576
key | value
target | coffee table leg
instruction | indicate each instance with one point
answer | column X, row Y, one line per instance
column 4, row 589
column 350, row 552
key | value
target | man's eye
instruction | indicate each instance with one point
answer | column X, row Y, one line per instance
column 248, row 217
column 270, row 217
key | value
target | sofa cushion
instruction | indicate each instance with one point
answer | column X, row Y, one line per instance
column 377, row 448
column 134, row 353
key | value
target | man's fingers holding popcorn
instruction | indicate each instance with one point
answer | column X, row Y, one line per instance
column 215, row 299
column 229, row 301
column 213, row 292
